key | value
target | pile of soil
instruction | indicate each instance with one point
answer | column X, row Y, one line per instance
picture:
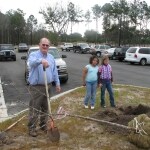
column 123, row 115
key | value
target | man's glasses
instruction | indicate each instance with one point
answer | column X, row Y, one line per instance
column 45, row 45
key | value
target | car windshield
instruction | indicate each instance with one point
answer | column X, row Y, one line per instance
column 111, row 49
column 96, row 46
column 124, row 49
column 68, row 44
column 117, row 49
column 22, row 44
column 6, row 47
column 84, row 45
column 132, row 50
column 52, row 51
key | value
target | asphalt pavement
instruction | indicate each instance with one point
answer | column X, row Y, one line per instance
column 15, row 88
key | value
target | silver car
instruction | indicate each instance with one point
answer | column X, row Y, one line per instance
column 109, row 52
column 99, row 49
column 23, row 47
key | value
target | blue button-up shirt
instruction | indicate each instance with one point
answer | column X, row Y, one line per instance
column 36, row 73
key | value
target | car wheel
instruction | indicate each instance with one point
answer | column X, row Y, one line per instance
column 120, row 60
column 98, row 54
column 80, row 51
column 26, row 78
column 143, row 62
column 62, row 49
column 64, row 80
column 14, row 59
column 74, row 51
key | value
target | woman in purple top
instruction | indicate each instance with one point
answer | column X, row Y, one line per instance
column 105, row 80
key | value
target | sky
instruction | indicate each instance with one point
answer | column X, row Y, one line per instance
column 33, row 7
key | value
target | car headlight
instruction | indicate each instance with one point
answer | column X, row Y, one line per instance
column 12, row 53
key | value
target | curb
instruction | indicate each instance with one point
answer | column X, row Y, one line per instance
column 3, row 108
column 52, row 99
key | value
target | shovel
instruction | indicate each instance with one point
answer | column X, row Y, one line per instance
column 52, row 130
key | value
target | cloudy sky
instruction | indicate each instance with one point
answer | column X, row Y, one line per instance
column 33, row 7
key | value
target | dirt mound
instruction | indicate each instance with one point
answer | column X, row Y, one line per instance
column 140, row 109
column 123, row 115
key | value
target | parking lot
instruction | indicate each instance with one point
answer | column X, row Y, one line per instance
column 15, row 88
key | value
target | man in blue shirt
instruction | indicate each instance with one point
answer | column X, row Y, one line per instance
column 37, row 60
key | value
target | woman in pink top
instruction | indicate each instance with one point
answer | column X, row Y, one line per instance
column 105, row 80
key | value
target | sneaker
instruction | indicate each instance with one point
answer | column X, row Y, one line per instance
column 113, row 106
column 92, row 107
column 104, row 106
column 86, row 106
column 32, row 132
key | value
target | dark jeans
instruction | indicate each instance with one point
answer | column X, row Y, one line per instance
column 106, row 84
column 39, row 102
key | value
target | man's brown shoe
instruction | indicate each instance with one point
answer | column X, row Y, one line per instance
column 32, row 132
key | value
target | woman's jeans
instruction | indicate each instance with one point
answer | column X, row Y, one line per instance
column 106, row 84
column 90, row 93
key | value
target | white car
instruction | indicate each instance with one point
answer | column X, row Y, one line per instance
column 109, row 52
column 139, row 55
column 60, row 63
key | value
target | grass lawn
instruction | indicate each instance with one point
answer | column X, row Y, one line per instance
column 82, row 134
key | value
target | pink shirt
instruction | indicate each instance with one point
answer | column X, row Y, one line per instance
column 106, row 72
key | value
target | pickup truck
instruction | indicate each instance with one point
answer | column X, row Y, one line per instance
column 67, row 46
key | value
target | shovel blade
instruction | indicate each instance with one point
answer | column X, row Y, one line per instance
column 53, row 134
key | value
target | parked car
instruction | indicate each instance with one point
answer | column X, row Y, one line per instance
column 23, row 47
column 99, row 49
column 60, row 63
column 119, row 53
column 7, row 52
column 139, row 55
column 81, row 48
column 67, row 46
column 109, row 52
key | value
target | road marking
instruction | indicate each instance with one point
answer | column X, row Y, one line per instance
column 3, row 108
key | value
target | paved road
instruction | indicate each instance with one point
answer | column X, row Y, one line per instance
column 12, row 74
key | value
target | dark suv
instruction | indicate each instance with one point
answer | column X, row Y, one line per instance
column 7, row 52
column 120, row 53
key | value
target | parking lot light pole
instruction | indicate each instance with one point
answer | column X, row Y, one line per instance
column 119, row 33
